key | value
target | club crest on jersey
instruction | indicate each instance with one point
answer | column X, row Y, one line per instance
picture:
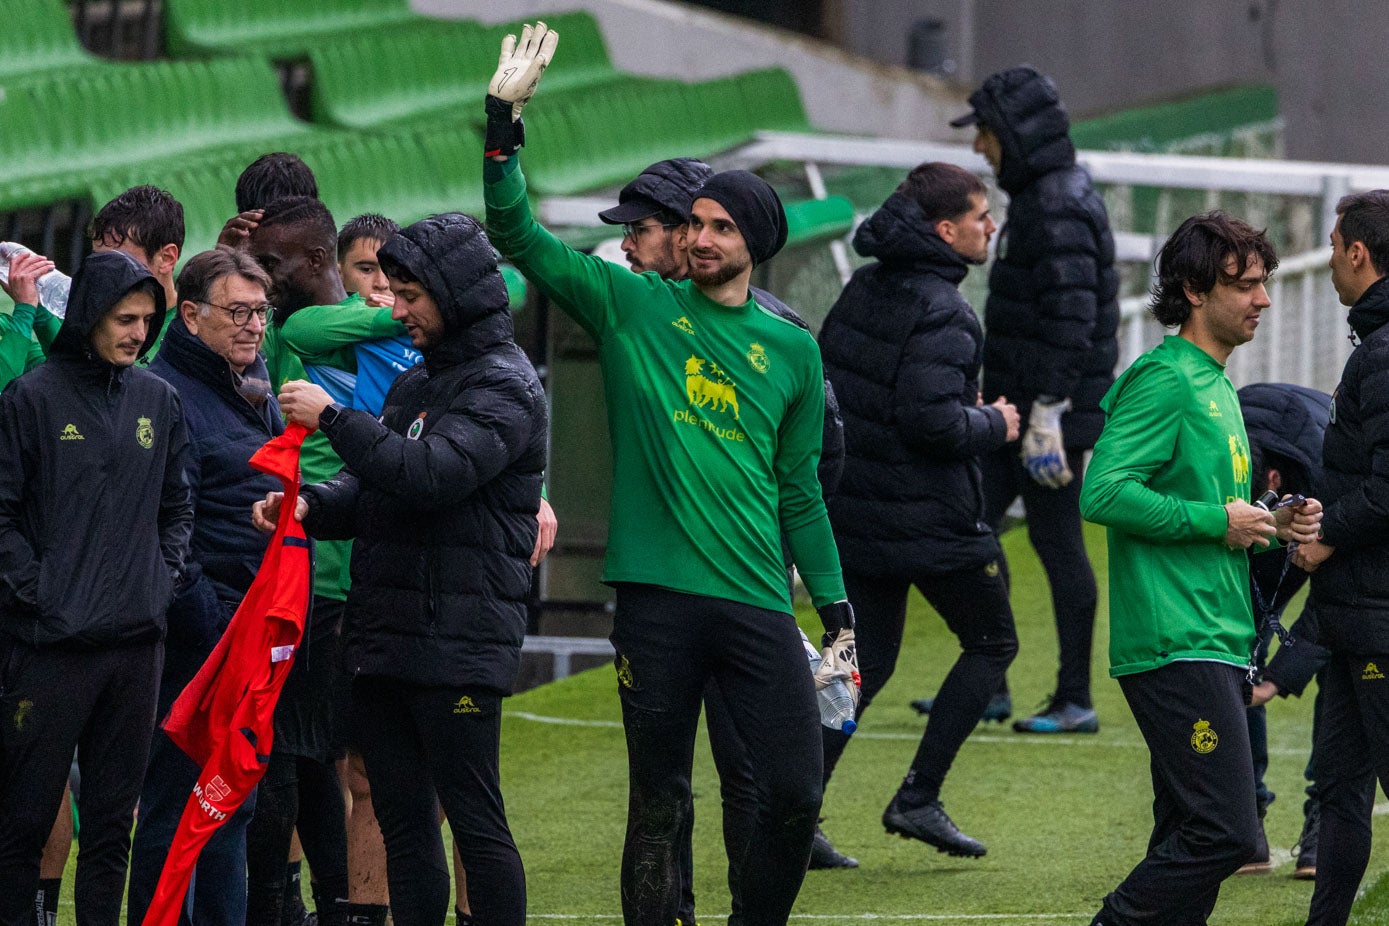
column 1203, row 738
column 416, row 427
column 757, row 356
column 144, row 433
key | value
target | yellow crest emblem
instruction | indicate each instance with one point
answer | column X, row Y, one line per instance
column 144, row 433
column 1203, row 738
column 757, row 356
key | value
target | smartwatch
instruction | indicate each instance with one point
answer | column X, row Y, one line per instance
column 329, row 416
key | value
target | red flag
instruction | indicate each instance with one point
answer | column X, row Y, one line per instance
column 224, row 719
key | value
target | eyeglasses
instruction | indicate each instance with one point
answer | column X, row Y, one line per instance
column 634, row 231
column 241, row 314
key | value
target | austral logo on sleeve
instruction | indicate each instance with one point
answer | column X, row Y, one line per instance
column 70, row 432
column 709, row 387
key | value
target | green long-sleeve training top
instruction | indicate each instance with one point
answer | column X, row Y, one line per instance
column 1172, row 454
column 715, row 414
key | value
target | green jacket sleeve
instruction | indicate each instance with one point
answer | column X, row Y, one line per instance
column 802, row 506
column 46, row 326
column 1139, row 439
column 588, row 289
column 16, row 339
column 326, row 334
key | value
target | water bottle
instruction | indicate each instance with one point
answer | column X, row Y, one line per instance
column 836, row 703
column 53, row 285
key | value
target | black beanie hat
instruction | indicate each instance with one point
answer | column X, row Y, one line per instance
column 754, row 207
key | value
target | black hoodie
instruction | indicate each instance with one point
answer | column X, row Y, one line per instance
column 441, row 494
column 1351, row 589
column 1053, row 312
column 902, row 348
column 95, row 509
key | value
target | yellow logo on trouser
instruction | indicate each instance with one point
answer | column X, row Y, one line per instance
column 1371, row 673
column 1204, row 739
column 624, row 672
column 465, row 705
column 715, row 390
column 1239, row 459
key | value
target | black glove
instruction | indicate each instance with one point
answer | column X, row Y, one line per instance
column 504, row 135
column 835, row 616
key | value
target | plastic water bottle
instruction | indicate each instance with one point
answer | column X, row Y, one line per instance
column 53, row 285
column 836, row 703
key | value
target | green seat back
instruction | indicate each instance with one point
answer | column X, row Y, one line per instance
column 37, row 36
column 278, row 28
column 810, row 220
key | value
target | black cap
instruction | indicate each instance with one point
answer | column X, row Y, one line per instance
column 668, row 185
column 969, row 118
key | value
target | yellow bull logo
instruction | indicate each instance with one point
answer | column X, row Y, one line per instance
column 706, row 392
column 1239, row 460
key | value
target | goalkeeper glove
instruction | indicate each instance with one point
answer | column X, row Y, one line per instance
column 839, row 657
column 518, row 74
column 1043, row 451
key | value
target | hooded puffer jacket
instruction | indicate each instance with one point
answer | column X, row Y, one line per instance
column 1052, row 315
column 902, row 348
column 1351, row 589
column 441, row 494
column 95, row 509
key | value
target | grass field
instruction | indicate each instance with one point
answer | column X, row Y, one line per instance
column 1064, row 817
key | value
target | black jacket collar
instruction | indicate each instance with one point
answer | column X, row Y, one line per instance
column 1371, row 310
column 899, row 233
column 184, row 352
column 474, row 340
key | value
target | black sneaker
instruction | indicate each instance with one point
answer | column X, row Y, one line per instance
column 1306, row 848
column 999, row 709
column 930, row 824
column 824, row 855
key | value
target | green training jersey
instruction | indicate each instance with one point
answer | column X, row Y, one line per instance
column 715, row 414
column 352, row 322
column 329, row 334
column 1172, row 454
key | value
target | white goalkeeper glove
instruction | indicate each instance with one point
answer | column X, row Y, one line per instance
column 1043, row 450
column 521, row 64
column 839, row 656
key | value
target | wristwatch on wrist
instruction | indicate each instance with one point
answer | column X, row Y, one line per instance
column 329, row 415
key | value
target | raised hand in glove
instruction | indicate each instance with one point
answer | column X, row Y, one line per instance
column 512, row 86
column 839, row 657
column 1043, row 450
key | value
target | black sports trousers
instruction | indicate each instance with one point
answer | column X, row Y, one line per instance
column 669, row 644
column 1352, row 750
column 974, row 604
column 101, row 703
column 1205, row 825
column 1054, row 529
column 417, row 740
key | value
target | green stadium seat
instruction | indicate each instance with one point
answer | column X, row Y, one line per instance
column 123, row 115
column 439, row 71
column 811, row 220
column 37, row 36
column 771, row 101
column 274, row 28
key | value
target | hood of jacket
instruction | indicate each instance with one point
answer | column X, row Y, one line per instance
column 1023, row 109
column 1288, row 420
column 899, row 233
column 453, row 260
column 102, row 281
column 1371, row 310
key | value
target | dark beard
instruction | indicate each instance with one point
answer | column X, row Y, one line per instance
column 722, row 275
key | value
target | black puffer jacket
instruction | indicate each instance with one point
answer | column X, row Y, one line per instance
column 442, row 493
column 1351, row 589
column 902, row 348
column 831, row 466
column 1053, row 312
column 95, row 509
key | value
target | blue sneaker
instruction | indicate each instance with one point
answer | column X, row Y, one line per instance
column 999, row 709
column 1060, row 718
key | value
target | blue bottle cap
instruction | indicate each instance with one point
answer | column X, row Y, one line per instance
column 849, row 727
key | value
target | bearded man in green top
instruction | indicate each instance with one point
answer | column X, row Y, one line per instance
column 1170, row 481
column 715, row 414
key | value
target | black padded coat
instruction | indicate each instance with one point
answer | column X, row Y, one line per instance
column 902, row 348
column 441, row 494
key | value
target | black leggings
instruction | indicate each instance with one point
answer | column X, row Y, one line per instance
column 974, row 604
column 1054, row 528
column 303, row 792
column 417, row 740
column 669, row 644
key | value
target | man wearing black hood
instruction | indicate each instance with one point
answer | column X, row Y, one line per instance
column 902, row 348
column 1350, row 564
column 90, row 448
column 715, row 411
column 441, row 496
column 1051, row 324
